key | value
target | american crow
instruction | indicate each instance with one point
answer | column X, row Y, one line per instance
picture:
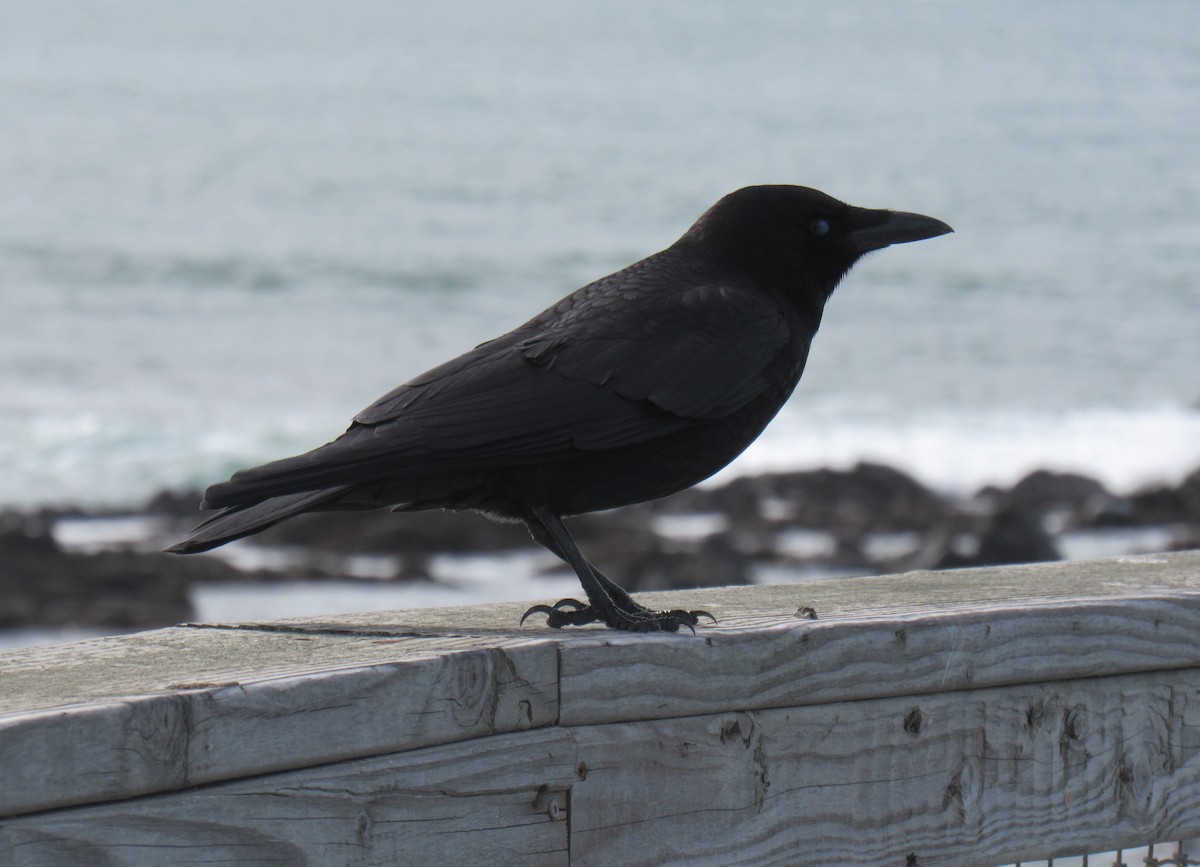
column 634, row 387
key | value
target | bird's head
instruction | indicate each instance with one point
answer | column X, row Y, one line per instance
column 798, row 239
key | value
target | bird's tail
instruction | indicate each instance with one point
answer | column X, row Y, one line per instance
column 238, row 521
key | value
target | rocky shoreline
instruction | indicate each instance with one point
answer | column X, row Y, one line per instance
column 871, row 519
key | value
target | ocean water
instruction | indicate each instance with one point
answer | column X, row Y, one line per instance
column 226, row 227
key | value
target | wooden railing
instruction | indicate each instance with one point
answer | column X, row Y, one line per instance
column 976, row 717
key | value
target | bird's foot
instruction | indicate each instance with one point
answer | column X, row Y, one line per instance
column 631, row 617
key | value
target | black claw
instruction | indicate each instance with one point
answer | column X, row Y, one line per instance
column 670, row 621
column 575, row 605
column 675, row 625
column 537, row 609
column 564, row 612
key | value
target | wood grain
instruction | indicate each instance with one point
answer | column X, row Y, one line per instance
column 497, row 799
column 968, row 777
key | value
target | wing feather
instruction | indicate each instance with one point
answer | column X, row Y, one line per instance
column 630, row 370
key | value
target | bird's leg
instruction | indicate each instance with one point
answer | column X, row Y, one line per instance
column 607, row 602
column 571, row 612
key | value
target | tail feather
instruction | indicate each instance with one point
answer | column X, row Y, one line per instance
column 238, row 521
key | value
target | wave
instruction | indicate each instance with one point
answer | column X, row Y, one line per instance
column 960, row 453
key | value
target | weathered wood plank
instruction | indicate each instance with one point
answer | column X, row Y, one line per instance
column 502, row 798
column 962, row 778
column 897, row 635
column 206, row 705
column 967, row 777
column 167, row 661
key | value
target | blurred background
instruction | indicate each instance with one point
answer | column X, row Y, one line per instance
column 226, row 227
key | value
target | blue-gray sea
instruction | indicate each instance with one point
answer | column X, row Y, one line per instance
column 227, row 226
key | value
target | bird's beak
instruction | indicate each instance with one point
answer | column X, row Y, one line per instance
column 878, row 229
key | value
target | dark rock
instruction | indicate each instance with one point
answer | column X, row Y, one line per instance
column 1011, row 536
column 740, row 502
column 712, row 563
column 1156, row 505
column 623, row 544
column 1189, row 491
column 42, row 585
column 867, row 498
column 1044, row 492
column 620, row 534
column 1016, row 536
column 1165, row 505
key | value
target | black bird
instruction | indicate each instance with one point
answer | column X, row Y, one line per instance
column 634, row 387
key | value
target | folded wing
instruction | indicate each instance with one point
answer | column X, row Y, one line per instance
column 586, row 375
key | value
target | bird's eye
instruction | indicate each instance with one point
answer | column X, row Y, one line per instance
column 819, row 226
